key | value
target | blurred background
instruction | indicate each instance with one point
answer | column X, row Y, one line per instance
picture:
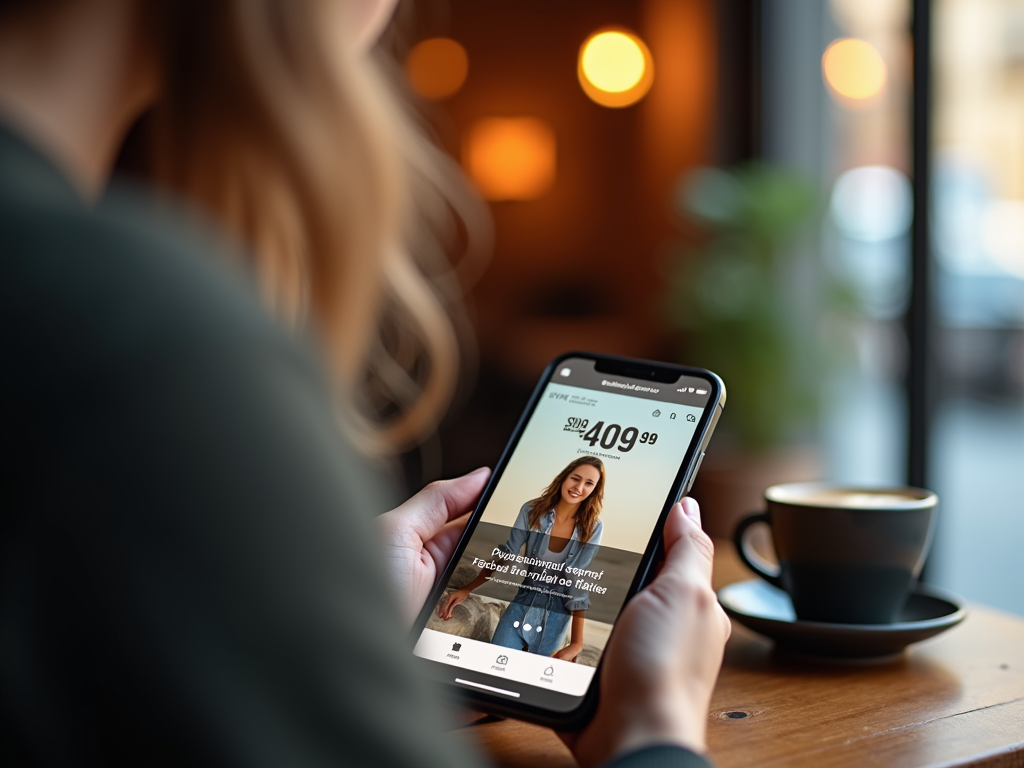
column 821, row 201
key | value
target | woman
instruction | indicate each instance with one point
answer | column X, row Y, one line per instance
column 560, row 527
column 189, row 576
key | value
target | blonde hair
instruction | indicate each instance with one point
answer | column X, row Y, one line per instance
column 271, row 119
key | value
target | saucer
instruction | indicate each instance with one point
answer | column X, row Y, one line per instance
column 758, row 605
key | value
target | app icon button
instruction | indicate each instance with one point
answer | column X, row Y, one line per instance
column 549, row 672
column 503, row 660
column 456, row 647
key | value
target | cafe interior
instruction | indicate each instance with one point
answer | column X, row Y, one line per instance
column 823, row 202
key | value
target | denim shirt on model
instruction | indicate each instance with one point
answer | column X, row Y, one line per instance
column 580, row 555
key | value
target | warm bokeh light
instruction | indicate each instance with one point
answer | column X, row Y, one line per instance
column 511, row 158
column 437, row 67
column 615, row 68
column 612, row 61
column 854, row 69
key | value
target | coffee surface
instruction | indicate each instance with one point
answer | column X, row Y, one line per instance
column 850, row 499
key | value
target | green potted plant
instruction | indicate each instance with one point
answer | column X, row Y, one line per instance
column 751, row 305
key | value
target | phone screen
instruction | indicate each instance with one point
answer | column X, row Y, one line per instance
column 563, row 533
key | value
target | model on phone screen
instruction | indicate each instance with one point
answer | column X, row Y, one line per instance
column 560, row 527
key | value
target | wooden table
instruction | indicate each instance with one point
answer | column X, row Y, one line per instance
column 954, row 700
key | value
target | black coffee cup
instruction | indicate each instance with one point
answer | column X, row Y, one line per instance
column 846, row 555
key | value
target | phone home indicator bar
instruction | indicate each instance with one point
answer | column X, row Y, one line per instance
column 487, row 687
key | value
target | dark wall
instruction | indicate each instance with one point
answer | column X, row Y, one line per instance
column 582, row 266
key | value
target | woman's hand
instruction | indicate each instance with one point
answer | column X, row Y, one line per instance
column 420, row 536
column 456, row 597
column 569, row 653
column 663, row 658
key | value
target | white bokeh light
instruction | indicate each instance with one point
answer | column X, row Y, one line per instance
column 872, row 203
column 1002, row 233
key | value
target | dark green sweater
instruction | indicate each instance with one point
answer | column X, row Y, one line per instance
column 188, row 573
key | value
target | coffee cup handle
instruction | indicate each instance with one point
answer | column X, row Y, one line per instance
column 750, row 558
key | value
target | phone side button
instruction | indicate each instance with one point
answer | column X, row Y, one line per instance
column 693, row 476
column 487, row 687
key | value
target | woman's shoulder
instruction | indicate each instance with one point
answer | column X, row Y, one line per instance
column 124, row 281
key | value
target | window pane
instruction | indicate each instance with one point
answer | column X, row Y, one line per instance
column 978, row 246
column 837, row 105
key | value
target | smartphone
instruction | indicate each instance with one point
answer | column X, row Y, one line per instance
column 565, row 532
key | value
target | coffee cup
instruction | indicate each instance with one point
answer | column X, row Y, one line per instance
column 845, row 555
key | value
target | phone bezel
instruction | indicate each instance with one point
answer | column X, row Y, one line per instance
column 624, row 366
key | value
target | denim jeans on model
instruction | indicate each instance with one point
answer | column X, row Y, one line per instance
column 546, row 633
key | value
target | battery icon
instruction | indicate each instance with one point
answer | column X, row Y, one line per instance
column 702, row 391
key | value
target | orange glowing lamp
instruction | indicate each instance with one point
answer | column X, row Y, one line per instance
column 437, row 68
column 510, row 158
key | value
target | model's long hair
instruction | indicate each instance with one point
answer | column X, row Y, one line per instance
column 271, row 120
column 588, row 510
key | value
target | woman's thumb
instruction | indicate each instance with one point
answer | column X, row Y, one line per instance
column 686, row 545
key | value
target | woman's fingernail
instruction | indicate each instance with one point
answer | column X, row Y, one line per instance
column 690, row 508
column 479, row 471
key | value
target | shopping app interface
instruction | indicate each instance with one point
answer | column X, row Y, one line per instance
column 534, row 586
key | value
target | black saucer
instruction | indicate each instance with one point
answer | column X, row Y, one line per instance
column 758, row 605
